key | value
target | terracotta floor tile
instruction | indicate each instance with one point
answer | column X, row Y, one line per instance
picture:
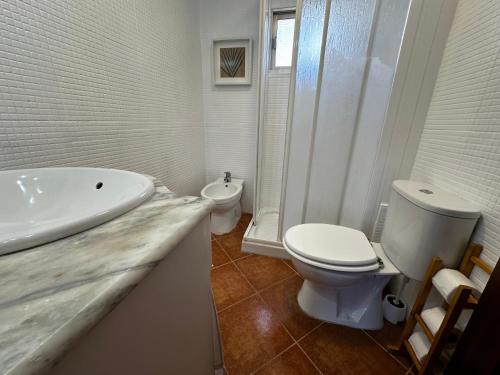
column 291, row 362
column 389, row 335
column 232, row 245
column 245, row 220
column 282, row 298
column 219, row 256
column 341, row 350
column 263, row 271
column 251, row 335
column 229, row 286
column 290, row 264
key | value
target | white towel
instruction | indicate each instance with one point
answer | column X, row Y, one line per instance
column 433, row 318
column 420, row 344
column 447, row 281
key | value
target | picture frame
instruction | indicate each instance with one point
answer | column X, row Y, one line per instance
column 232, row 62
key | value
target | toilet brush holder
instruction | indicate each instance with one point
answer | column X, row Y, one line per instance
column 394, row 309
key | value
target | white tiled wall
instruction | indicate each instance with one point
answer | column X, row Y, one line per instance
column 103, row 83
column 460, row 145
column 230, row 112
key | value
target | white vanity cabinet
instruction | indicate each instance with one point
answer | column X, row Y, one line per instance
column 164, row 326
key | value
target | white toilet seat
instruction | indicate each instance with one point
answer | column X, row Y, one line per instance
column 331, row 247
column 332, row 267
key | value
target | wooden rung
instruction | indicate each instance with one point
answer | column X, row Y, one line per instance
column 413, row 356
column 471, row 302
column 426, row 329
column 482, row 264
column 473, row 250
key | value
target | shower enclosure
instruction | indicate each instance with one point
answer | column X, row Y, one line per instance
column 277, row 20
column 320, row 120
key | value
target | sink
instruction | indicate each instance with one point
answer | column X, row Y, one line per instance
column 42, row 205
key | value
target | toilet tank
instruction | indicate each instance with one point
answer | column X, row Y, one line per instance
column 424, row 221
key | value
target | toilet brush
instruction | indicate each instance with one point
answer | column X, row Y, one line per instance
column 393, row 306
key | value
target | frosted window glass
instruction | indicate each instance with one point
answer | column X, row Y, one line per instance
column 284, row 42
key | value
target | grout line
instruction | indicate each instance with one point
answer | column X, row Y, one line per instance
column 295, row 342
column 276, row 283
column 292, row 268
column 272, row 359
column 310, row 359
column 270, row 308
column 302, row 349
column 246, row 278
column 385, row 350
column 236, row 303
column 311, row 331
column 219, row 266
column 255, row 292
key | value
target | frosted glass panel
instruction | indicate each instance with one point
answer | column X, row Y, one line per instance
column 274, row 93
column 345, row 60
column 284, row 42
column 301, row 131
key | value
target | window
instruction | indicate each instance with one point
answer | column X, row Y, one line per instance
column 282, row 44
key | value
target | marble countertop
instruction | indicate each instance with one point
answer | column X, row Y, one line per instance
column 52, row 294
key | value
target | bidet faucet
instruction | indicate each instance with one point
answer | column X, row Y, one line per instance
column 227, row 178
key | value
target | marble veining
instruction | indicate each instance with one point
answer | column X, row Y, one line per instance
column 52, row 294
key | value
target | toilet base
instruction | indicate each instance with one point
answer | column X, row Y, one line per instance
column 224, row 221
column 357, row 306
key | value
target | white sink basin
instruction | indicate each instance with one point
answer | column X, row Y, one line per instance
column 42, row 205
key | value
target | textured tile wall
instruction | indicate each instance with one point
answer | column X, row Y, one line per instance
column 460, row 145
column 230, row 112
column 113, row 83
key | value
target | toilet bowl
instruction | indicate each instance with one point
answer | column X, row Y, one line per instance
column 344, row 274
column 344, row 285
column 227, row 211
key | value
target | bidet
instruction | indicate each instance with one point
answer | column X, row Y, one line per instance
column 226, row 193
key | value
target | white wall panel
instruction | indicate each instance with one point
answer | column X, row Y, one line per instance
column 104, row 84
column 337, row 126
column 346, row 52
column 388, row 29
column 460, row 145
column 303, row 113
column 230, row 112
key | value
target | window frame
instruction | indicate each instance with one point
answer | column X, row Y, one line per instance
column 279, row 14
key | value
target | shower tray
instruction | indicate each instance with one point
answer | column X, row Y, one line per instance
column 261, row 236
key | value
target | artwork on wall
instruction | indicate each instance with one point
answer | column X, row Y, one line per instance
column 232, row 62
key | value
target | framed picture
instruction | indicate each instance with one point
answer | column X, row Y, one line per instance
column 232, row 62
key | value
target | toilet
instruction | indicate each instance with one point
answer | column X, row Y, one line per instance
column 226, row 193
column 344, row 274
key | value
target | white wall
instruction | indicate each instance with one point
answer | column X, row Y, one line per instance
column 460, row 145
column 110, row 84
column 230, row 112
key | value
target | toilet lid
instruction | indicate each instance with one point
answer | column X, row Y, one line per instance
column 331, row 244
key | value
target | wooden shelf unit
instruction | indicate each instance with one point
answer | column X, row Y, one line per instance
column 462, row 299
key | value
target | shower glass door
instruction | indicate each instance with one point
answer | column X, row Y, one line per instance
column 275, row 67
